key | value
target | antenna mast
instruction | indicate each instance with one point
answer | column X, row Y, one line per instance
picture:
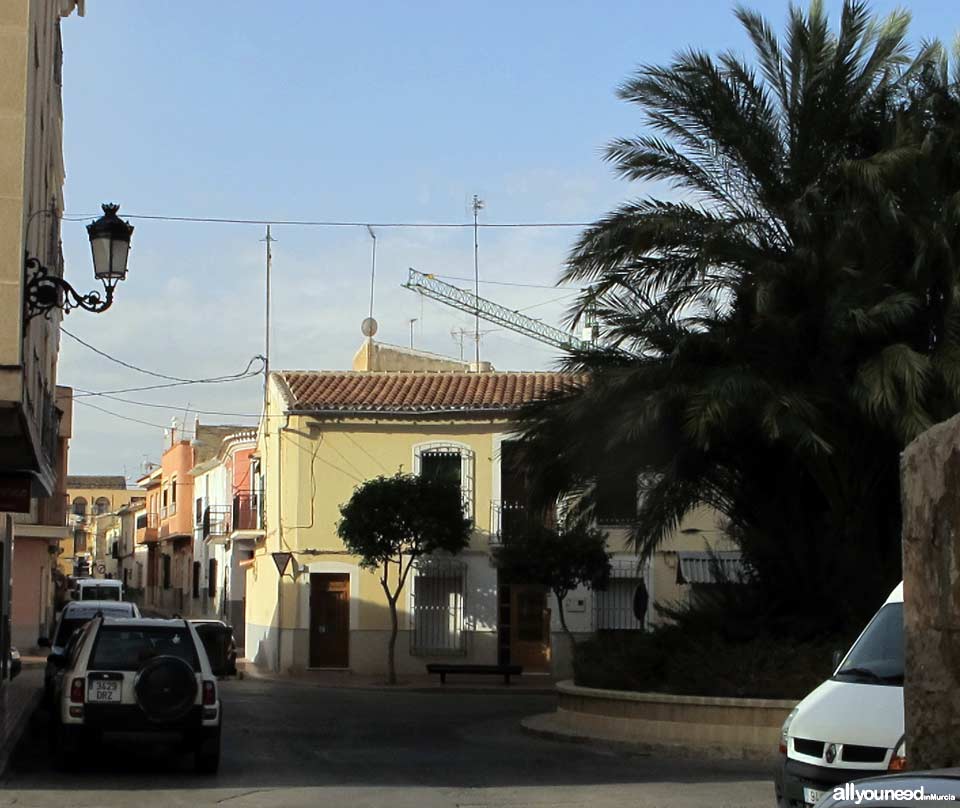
column 477, row 207
column 373, row 267
column 266, row 340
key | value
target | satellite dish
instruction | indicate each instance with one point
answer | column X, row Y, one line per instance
column 368, row 327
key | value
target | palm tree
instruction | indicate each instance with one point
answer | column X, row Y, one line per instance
column 789, row 321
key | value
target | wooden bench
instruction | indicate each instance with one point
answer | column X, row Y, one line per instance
column 443, row 668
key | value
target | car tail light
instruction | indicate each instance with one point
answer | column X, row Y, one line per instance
column 209, row 692
column 76, row 691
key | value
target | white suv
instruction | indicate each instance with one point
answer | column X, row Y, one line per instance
column 138, row 675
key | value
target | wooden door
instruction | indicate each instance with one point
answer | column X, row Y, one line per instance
column 329, row 620
column 529, row 628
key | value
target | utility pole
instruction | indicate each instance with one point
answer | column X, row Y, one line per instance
column 266, row 340
column 477, row 207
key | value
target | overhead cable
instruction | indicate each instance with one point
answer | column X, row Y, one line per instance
column 76, row 217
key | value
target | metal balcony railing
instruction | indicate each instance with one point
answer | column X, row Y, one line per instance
column 504, row 517
column 247, row 511
column 216, row 521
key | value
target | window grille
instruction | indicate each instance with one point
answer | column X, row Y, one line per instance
column 437, row 619
column 624, row 605
column 438, row 459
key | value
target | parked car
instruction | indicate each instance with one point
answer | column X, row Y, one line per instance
column 221, row 647
column 75, row 615
column 850, row 727
column 138, row 675
column 15, row 664
column 893, row 791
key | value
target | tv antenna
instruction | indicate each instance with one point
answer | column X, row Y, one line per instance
column 477, row 206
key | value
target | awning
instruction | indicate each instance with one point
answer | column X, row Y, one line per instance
column 703, row 567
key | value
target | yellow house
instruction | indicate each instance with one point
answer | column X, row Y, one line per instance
column 327, row 432
column 31, row 206
column 94, row 502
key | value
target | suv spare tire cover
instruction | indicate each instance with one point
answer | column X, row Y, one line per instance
column 165, row 688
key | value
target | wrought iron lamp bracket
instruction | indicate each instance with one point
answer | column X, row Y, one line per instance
column 45, row 292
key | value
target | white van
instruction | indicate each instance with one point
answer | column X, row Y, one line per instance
column 99, row 589
column 851, row 726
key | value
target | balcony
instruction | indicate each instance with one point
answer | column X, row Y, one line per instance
column 148, row 526
column 215, row 524
column 168, row 511
column 247, row 514
column 53, row 510
column 504, row 517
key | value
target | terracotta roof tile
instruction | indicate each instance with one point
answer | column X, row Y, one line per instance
column 96, row 481
column 422, row 391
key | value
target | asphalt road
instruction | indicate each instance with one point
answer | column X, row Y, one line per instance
column 288, row 744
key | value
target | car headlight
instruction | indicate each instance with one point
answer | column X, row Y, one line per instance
column 786, row 729
column 898, row 760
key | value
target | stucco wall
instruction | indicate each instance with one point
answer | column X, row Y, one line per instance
column 312, row 466
column 30, row 614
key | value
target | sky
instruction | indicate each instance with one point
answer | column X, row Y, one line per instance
column 359, row 112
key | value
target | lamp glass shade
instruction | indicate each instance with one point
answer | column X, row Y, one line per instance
column 110, row 245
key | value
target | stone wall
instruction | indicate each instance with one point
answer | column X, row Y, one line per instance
column 931, row 585
column 689, row 725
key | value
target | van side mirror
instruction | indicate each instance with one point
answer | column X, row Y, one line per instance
column 43, row 642
column 837, row 658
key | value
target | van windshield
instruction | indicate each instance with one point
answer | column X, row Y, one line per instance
column 877, row 657
column 100, row 593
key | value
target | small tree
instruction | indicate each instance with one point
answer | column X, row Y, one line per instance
column 392, row 521
column 559, row 560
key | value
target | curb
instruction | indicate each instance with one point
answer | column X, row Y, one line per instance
column 15, row 731
column 249, row 672
column 544, row 725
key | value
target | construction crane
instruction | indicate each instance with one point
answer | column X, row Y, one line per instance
column 466, row 301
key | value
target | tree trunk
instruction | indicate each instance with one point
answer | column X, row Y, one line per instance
column 563, row 625
column 392, row 645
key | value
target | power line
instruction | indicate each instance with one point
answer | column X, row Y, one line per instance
column 176, row 407
column 76, row 217
column 252, row 374
column 212, row 380
column 129, row 418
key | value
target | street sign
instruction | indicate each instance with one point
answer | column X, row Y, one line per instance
column 281, row 560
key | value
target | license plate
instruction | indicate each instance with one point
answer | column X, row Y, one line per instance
column 104, row 691
column 811, row 796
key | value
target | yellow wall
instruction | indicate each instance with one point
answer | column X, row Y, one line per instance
column 117, row 497
column 312, row 465
column 31, row 180
column 374, row 355
column 318, row 464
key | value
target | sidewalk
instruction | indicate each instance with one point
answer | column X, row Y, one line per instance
column 415, row 683
column 18, row 701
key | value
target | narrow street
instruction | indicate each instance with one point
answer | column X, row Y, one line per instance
column 294, row 744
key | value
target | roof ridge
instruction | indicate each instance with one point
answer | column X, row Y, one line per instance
column 423, row 391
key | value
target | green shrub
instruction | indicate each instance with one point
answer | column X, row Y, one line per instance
column 670, row 660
